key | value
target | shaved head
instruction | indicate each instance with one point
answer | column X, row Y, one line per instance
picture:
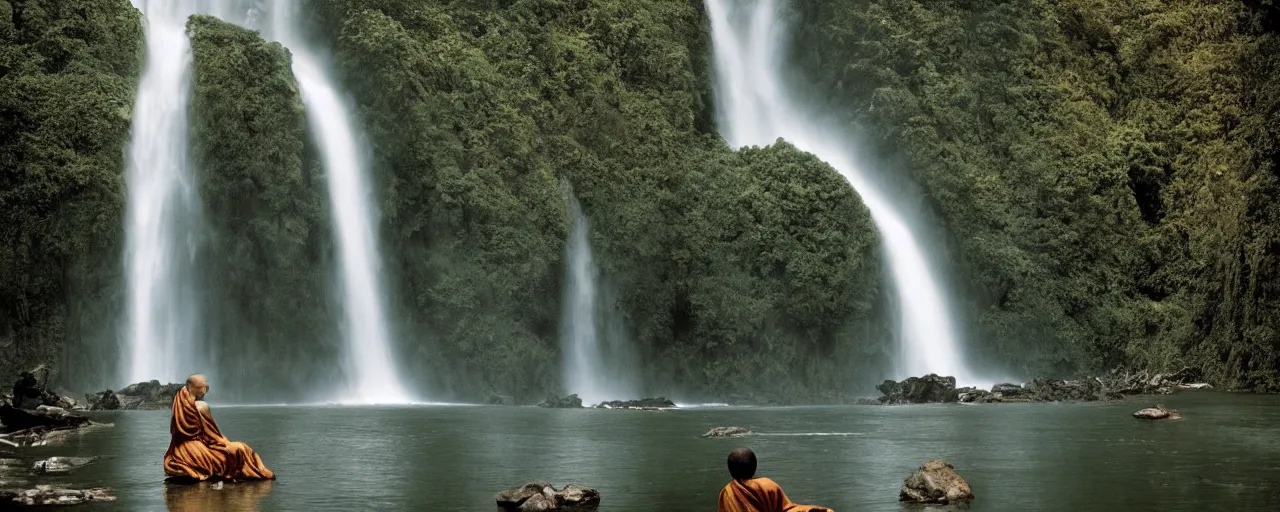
column 197, row 385
column 742, row 464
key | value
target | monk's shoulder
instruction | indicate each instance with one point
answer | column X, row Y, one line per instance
column 202, row 406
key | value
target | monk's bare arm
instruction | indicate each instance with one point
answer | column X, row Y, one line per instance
column 203, row 407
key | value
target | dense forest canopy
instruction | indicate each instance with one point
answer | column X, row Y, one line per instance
column 1104, row 175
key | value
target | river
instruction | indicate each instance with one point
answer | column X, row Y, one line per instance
column 1223, row 455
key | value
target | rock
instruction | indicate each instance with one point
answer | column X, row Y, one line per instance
column 148, row 395
column 541, row 496
column 919, row 390
column 1197, row 385
column 1158, row 412
column 935, row 482
column 643, row 403
column 103, row 401
column 61, row 465
column 44, row 416
column 42, row 436
column 1053, row 390
column 568, row 402
column 728, row 432
column 976, row 396
column 1009, row 390
column 31, row 391
column 49, row 495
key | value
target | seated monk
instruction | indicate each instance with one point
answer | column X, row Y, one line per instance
column 748, row 494
column 198, row 450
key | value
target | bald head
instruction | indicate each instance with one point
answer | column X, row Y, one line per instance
column 197, row 385
column 742, row 464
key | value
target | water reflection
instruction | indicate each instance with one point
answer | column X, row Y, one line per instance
column 206, row 496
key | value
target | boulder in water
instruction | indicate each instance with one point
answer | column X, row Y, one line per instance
column 50, row 495
column 61, row 465
column 976, row 396
column 103, row 401
column 919, row 390
column 728, row 432
column 148, row 395
column 1158, row 412
column 568, row 402
column 643, row 403
column 542, row 497
column 1196, row 385
column 935, row 482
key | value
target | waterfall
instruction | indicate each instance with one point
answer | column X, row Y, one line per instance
column 597, row 362
column 163, row 209
column 369, row 363
column 755, row 108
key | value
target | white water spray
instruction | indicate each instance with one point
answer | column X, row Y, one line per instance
column 163, row 211
column 756, row 108
column 370, row 366
column 597, row 366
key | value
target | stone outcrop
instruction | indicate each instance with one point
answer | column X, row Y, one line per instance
column 61, row 465
column 643, row 404
column 728, row 432
column 935, row 482
column 14, row 418
column 568, row 402
column 542, row 497
column 51, row 495
column 919, row 390
column 1158, row 412
column 104, row 401
column 139, row 396
column 1114, row 385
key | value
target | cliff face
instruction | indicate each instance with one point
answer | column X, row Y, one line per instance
column 68, row 71
column 1106, row 172
column 1105, row 177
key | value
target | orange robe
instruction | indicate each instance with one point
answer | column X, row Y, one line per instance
column 198, row 449
column 760, row 495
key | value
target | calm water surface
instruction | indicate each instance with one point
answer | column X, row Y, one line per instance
column 1225, row 455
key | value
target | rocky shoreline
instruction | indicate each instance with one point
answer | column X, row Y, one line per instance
column 34, row 416
column 1116, row 385
column 574, row 402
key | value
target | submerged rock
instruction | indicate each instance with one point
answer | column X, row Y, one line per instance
column 44, row 435
column 935, row 482
column 643, row 403
column 61, row 465
column 568, row 402
column 728, row 432
column 541, row 496
column 50, row 495
column 976, row 396
column 919, row 390
column 1197, row 385
column 1158, row 412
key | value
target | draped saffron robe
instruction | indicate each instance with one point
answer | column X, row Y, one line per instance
column 198, row 450
column 760, row 495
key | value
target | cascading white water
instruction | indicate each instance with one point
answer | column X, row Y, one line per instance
column 370, row 367
column 596, row 363
column 755, row 108
column 163, row 209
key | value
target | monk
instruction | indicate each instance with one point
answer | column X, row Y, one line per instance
column 198, row 450
column 748, row 494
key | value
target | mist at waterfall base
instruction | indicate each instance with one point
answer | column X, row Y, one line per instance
column 598, row 363
column 168, row 331
column 756, row 107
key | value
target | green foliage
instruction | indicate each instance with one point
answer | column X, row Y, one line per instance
column 1102, row 168
column 67, row 75
column 261, row 263
column 720, row 260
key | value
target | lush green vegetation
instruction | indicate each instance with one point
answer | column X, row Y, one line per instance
column 262, row 265
column 1104, row 173
column 1106, row 170
column 68, row 70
